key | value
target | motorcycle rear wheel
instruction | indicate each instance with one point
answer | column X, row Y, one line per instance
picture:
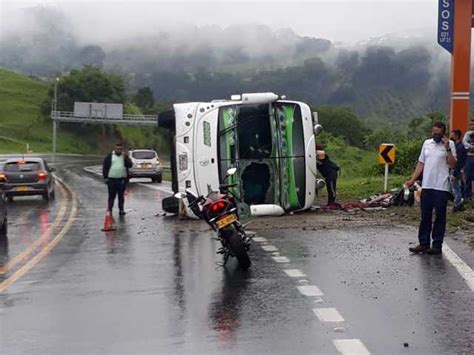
column 237, row 247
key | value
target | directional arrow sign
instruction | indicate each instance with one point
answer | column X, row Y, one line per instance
column 386, row 153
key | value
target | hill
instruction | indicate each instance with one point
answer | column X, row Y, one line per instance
column 21, row 98
column 21, row 122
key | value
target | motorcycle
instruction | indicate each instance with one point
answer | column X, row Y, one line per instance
column 219, row 210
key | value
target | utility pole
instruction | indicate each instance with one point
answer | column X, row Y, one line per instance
column 461, row 65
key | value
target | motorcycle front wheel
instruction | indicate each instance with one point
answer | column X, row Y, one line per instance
column 237, row 247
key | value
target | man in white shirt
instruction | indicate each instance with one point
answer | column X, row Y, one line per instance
column 468, row 142
column 437, row 156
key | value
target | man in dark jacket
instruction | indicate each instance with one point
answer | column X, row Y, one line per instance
column 456, row 173
column 116, row 175
column 330, row 171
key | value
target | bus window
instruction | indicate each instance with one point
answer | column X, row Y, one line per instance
column 293, row 175
column 227, row 147
column 255, row 135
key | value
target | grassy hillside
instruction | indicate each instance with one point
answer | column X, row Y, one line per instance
column 21, row 122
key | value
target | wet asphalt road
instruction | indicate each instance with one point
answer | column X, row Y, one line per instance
column 154, row 286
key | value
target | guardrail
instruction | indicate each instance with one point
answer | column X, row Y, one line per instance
column 67, row 116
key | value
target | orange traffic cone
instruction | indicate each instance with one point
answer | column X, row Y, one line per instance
column 108, row 223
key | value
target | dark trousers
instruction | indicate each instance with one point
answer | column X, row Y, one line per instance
column 331, row 184
column 469, row 172
column 117, row 187
column 438, row 201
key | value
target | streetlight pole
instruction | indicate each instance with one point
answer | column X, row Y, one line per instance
column 54, row 114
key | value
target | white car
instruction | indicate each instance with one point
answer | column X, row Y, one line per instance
column 146, row 164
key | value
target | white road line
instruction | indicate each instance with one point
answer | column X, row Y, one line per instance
column 259, row 239
column 328, row 314
column 281, row 259
column 350, row 347
column 294, row 273
column 270, row 248
column 310, row 291
column 466, row 272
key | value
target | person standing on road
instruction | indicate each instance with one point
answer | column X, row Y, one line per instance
column 468, row 142
column 437, row 156
column 116, row 176
column 457, row 172
column 330, row 171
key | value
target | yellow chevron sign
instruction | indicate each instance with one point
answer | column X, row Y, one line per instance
column 386, row 153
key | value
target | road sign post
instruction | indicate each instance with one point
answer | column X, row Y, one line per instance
column 386, row 157
column 385, row 182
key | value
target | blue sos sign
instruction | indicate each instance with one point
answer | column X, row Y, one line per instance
column 446, row 24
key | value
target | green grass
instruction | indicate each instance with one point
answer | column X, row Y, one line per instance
column 20, row 117
column 21, row 98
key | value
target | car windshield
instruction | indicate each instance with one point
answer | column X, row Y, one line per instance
column 22, row 166
column 144, row 155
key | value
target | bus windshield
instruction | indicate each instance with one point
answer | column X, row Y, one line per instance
column 266, row 144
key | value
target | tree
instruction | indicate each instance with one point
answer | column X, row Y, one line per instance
column 144, row 98
column 89, row 84
column 342, row 122
column 92, row 55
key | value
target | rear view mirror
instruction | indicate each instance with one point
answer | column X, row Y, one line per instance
column 231, row 171
column 318, row 129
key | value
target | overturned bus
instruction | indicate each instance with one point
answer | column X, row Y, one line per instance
column 270, row 140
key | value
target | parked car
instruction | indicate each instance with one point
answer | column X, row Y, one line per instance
column 146, row 164
column 28, row 177
column 3, row 212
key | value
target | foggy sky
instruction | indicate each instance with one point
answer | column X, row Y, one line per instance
column 347, row 21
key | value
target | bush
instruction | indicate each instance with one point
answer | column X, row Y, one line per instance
column 407, row 154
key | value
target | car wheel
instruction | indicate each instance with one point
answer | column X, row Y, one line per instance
column 10, row 199
column 53, row 195
column 46, row 196
column 159, row 178
column 153, row 179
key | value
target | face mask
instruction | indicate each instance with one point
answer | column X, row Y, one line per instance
column 437, row 137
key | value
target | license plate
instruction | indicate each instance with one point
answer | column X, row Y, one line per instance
column 22, row 188
column 225, row 221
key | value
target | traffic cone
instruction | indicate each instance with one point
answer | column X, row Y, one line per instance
column 108, row 223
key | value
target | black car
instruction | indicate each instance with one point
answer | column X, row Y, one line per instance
column 28, row 177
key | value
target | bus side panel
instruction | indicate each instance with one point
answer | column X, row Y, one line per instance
column 310, row 155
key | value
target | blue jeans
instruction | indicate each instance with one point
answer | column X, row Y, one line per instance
column 456, row 189
column 437, row 200
column 469, row 172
